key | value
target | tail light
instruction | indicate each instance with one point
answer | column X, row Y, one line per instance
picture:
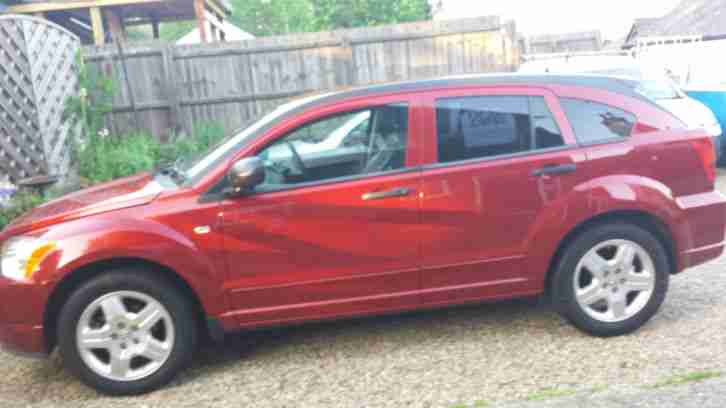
column 706, row 152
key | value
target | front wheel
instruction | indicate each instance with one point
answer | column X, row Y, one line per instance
column 126, row 332
column 611, row 279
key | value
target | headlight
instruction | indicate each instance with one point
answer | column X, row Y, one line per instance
column 21, row 257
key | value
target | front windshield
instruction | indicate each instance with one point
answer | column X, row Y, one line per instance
column 195, row 169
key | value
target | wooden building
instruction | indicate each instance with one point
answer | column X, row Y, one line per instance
column 705, row 18
column 101, row 21
column 567, row 42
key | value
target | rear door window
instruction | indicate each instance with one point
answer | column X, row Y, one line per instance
column 489, row 126
column 595, row 122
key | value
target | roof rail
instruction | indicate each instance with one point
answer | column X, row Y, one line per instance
column 565, row 55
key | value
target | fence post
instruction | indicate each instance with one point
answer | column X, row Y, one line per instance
column 349, row 60
column 171, row 88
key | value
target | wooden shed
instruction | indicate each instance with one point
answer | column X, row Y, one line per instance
column 101, row 21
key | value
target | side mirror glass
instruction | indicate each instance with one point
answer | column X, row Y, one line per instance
column 246, row 174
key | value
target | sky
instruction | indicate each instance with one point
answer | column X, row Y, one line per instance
column 613, row 17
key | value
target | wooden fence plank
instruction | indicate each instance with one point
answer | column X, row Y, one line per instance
column 231, row 82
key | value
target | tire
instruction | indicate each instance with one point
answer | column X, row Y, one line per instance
column 155, row 321
column 616, row 300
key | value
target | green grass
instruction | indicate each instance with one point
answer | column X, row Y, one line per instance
column 695, row 376
column 548, row 393
column 476, row 404
column 597, row 388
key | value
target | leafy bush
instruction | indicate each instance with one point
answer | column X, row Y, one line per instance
column 203, row 136
column 21, row 203
column 94, row 100
column 108, row 158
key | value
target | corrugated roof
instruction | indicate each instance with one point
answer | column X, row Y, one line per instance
column 690, row 17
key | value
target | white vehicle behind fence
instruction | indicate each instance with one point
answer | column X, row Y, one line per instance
column 655, row 83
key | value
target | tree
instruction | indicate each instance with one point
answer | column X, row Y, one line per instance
column 273, row 17
column 334, row 14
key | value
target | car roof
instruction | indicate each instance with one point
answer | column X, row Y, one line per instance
column 623, row 86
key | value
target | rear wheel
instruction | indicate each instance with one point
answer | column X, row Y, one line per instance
column 611, row 279
column 126, row 332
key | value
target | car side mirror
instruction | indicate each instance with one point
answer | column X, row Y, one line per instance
column 245, row 175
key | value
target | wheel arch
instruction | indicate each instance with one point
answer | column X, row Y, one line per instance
column 640, row 218
column 77, row 277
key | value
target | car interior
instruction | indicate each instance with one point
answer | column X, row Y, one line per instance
column 376, row 146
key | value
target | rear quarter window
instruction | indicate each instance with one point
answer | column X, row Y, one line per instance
column 595, row 122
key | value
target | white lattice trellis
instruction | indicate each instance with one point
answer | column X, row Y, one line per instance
column 37, row 73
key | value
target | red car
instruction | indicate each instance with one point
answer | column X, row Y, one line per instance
column 443, row 192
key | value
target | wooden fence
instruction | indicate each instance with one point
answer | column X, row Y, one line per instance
column 37, row 74
column 172, row 87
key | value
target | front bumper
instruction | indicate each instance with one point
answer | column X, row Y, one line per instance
column 22, row 339
column 21, row 317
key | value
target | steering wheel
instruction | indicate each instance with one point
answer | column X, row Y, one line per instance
column 380, row 155
column 298, row 160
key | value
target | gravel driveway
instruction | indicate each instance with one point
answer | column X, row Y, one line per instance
column 455, row 357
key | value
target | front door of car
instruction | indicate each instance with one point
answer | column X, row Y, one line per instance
column 332, row 229
column 496, row 162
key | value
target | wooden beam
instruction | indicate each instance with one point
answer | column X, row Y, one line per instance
column 201, row 18
column 216, row 8
column 30, row 8
column 147, row 21
column 99, row 35
column 214, row 21
column 115, row 25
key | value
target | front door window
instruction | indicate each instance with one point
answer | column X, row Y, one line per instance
column 346, row 145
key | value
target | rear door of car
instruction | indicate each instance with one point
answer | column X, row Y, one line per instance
column 495, row 160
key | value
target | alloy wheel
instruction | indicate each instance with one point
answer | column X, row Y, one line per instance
column 614, row 280
column 125, row 336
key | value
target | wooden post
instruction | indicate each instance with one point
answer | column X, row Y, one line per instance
column 176, row 124
column 155, row 27
column 213, row 33
column 99, row 36
column 222, row 34
column 129, row 89
column 201, row 19
column 115, row 25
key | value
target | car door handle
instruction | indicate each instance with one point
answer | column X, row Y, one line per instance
column 379, row 195
column 555, row 169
